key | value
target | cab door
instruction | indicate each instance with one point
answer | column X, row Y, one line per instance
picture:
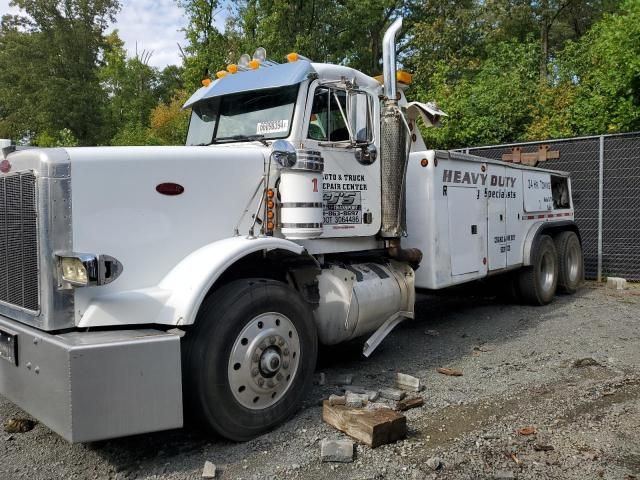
column 335, row 118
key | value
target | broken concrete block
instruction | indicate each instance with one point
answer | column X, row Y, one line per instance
column 407, row 382
column 372, row 394
column 356, row 400
column 346, row 379
column 209, row 470
column 336, row 451
column 337, row 400
column 616, row 283
column 355, row 389
column 392, row 393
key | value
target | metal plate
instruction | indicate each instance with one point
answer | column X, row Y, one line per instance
column 9, row 346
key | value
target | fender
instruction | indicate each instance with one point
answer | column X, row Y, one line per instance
column 177, row 299
column 192, row 278
column 537, row 229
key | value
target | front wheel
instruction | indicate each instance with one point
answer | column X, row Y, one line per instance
column 250, row 358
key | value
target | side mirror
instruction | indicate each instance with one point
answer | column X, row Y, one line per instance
column 367, row 154
column 284, row 153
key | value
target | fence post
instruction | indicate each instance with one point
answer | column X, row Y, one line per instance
column 600, row 206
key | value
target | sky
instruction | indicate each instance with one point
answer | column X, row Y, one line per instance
column 154, row 24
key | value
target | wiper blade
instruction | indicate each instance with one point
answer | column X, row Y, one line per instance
column 250, row 138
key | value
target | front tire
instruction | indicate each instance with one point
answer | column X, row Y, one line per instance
column 538, row 282
column 250, row 358
column 570, row 262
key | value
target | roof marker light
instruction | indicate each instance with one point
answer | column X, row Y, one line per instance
column 254, row 64
column 244, row 60
column 232, row 68
column 260, row 54
column 206, row 82
column 294, row 57
column 221, row 73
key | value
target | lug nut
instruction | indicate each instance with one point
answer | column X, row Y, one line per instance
column 285, row 351
column 285, row 364
column 280, row 341
column 279, row 377
column 261, row 381
column 272, row 340
column 255, row 372
column 263, row 345
column 256, row 357
column 270, row 383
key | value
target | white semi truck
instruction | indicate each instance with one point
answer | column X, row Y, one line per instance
column 143, row 285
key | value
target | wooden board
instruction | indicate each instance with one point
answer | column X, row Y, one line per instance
column 372, row 427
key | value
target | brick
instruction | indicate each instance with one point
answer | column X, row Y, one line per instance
column 616, row 283
column 392, row 393
column 407, row 382
column 336, row 451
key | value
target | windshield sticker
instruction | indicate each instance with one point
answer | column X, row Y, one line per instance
column 272, row 126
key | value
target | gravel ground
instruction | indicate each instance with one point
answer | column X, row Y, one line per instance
column 519, row 371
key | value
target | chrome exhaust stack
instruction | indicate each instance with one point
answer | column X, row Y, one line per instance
column 394, row 139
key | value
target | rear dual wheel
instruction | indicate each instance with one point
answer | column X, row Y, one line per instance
column 557, row 264
column 250, row 358
column 538, row 282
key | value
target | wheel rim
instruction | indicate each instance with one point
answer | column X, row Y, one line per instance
column 573, row 263
column 547, row 271
column 264, row 361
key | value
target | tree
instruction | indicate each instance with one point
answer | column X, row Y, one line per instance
column 130, row 85
column 59, row 74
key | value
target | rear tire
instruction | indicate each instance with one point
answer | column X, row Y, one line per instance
column 570, row 262
column 538, row 282
column 250, row 358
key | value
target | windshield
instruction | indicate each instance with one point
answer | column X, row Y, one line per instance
column 265, row 114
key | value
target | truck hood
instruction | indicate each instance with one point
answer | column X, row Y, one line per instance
column 117, row 209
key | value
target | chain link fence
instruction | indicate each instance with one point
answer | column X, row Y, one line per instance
column 605, row 180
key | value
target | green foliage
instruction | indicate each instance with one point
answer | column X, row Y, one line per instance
column 63, row 138
column 504, row 70
column 489, row 105
column 48, row 60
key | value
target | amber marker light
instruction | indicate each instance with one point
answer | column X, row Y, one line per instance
column 232, row 68
column 270, row 204
column 292, row 57
column 270, row 193
column 221, row 73
column 206, row 82
column 254, row 64
column 424, row 162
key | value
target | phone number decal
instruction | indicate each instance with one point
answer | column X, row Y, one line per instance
column 342, row 208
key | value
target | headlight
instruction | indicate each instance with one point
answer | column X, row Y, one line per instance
column 74, row 271
column 82, row 270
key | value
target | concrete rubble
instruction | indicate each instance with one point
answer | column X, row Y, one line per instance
column 336, row 451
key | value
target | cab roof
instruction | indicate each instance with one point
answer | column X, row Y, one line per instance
column 280, row 75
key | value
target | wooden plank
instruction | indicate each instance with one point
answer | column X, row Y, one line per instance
column 372, row 427
column 408, row 403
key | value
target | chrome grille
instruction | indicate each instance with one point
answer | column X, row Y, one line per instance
column 19, row 241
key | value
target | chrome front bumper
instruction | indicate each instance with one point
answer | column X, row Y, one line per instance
column 97, row 385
